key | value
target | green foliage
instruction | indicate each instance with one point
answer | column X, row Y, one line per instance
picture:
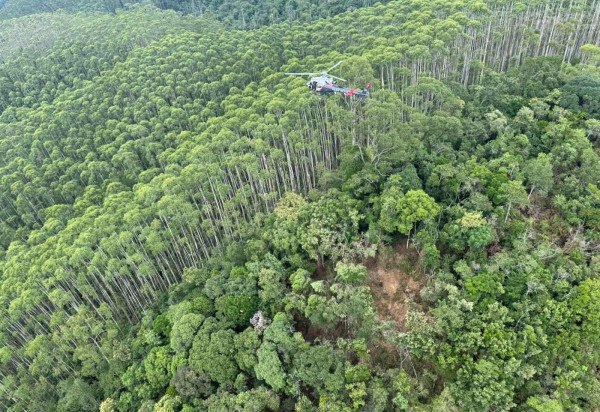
column 350, row 273
column 472, row 230
column 259, row 399
column 539, row 174
column 582, row 93
column 513, row 193
column 585, row 307
column 247, row 15
column 190, row 384
column 77, row 396
column 246, row 344
column 236, row 309
column 300, row 280
column 161, row 326
column 283, row 232
column 213, row 353
column 157, row 366
column 269, row 367
column 162, row 182
column 319, row 367
column 108, row 405
column 401, row 211
column 184, row 330
column 327, row 225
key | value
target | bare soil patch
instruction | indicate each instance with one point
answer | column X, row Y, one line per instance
column 396, row 280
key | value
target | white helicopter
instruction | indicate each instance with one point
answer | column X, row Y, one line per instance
column 325, row 83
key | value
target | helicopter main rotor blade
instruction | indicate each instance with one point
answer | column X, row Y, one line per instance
column 339, row 78
column 300, row 74
column 334, row 66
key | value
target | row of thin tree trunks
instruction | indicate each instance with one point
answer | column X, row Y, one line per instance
column 503, row 42
column 226, row 200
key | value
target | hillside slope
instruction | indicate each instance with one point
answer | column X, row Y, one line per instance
column 162, row 181
column 239, row 14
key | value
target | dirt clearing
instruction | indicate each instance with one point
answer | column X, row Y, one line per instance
column 396, row 281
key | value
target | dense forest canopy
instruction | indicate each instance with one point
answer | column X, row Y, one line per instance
column 241, row 14
column 185, row 228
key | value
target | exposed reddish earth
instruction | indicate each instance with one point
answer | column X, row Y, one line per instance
column 395, row 280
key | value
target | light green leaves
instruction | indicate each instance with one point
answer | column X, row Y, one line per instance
column 401, row 212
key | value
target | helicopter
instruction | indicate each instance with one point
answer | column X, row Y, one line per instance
column 326, row 84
